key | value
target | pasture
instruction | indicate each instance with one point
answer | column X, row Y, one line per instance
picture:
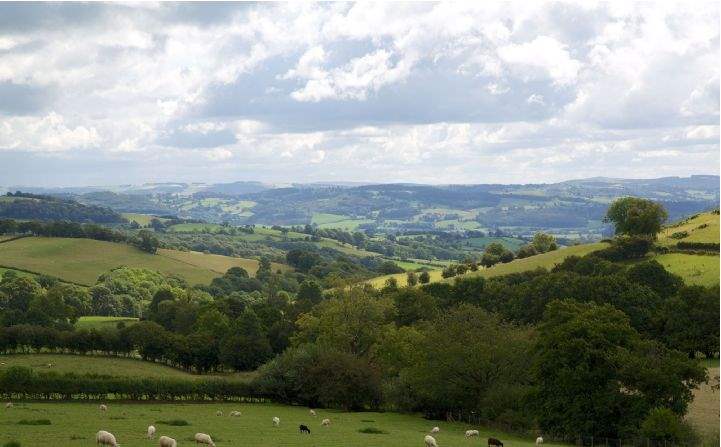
column 703, row 413
column 95, row 322
column 343, row 222
column 141, row 219
column 217, row 263
column 75, row 424
column 694, row 269
column 110, row 366
column 83, row 260
column 702, row 228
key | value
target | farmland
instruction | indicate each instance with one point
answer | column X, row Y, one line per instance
column 326, row 220
column 75, row 424
column 694, row 269
column 83, row 260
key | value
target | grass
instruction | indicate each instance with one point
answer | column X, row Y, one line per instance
column 113, row 366
column 195, row 227
column 83, row 260
column 343, row 222
column 75, row 424
column 703, row 412
column 141, row 219
column 96, row 322
column 217, row 263
column 510, row 243
column 709, row 232
column 694, row 269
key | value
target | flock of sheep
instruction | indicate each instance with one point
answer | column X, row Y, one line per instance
column 106, row 438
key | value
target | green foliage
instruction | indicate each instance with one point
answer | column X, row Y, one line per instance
column 372, row 431
column 543, row 242
column 174, row 423
column 633, row 216
column 35, row 422
column 496, row 253
column 411, row 279
column 424, row 277
column 663, row 425
column 146, row 241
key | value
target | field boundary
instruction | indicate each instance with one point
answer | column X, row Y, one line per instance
column 65, row 281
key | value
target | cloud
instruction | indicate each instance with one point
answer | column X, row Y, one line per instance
column 438, row 92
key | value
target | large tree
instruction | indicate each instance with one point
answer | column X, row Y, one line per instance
column 636, row 217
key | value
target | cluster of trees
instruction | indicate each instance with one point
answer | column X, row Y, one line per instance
column 21, row 205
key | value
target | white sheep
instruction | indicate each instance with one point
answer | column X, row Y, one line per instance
column 430, row 441
column 219, row 413
column 312, row 413
column 235, row 413
column 103, row 407
column 325, row 422
column 165, row 441
column 470, row 433
column 276, row 421
column 151, row 431
column 106, row 438
column 435, row 430
column 9, row 405
column 202, row 438
column 539, row 441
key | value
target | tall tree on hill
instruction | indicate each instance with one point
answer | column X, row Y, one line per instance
column 633, row 216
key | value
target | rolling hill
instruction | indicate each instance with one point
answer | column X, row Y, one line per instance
column 81, row 261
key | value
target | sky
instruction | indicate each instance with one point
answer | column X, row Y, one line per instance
column 456, row 92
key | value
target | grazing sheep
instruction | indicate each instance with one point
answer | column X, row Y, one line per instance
column 219, row 413
column 9, row 405
column 539, row 441
column 494, row 441
column 304, row 429
column 106, row 438
column 470, row 433
column 151, row 431
column 430, row 441
column 167, row 442
column 235, row 413
column 435, row 430
column 325, row 422
column 276, row 421
column 103, row 407
column 312, row 413
column 202, row 438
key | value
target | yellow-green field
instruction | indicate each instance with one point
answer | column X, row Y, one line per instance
column 75, row 424
column 347, row 223
column 141, row 219
column 217, row 263
column 703, row 412
column 710, row 233
column 545, row 260
column 694, row 269
column 95, row 322
column 110, row 366
column 83, row 260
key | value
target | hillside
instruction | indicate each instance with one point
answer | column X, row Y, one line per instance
column 39, row 207
column 83, row 260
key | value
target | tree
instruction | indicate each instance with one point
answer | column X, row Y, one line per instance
column 543, row 242
column 662, row 424
column 526, row 251
column 633, row 216
column 595, row 376
column 412, row 305
column 411, row 279
column 689, row 321
column 147, row 241
column 265, row 269
column 424, row 277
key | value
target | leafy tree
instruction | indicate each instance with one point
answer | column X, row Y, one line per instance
column 413, row 305
column 20, row 291
column 526, row 251
column 689, row 321
column 662, row 424
column 147, row 241
column 265, row 269
column 543, row 242
column 389, row 268
column 424, row 277
column 596, row 376
column 633, row 216
column 411, row 279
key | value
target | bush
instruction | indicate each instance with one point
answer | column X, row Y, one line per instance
column 710, row 246
column 679, row 235
column 662, row 424
column 626, row 247
column 174, row 422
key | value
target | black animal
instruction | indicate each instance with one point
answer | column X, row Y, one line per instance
column 494, row 442
column 304, row 429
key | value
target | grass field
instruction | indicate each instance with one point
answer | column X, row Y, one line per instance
column 141, row 219
column 510, row 243
column 75, row 424
column 96, row 322
column 112, row 366
column 347, row 223
column 217, row 263
column 83, row 260
column 710, row 232
column 694, row 269
column 704, row 410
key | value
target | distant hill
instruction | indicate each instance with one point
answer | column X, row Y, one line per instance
column 41, row 207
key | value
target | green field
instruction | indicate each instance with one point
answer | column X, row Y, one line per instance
column 694, row 269
column 141, row 219
column 510, row 243
column 75, row 424
column 195, row 227
column 217, row 263
column 703, row 413
column 83, row 260
column 710, row 233
column 96, row 322
column 347, row 223
column 111, row 366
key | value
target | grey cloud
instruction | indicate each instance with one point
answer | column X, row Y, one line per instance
column 20, row 99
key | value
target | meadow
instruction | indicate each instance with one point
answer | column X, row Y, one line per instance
column 694, row 269
column 708, row 233
column 343, row 222
column 75, row 424
column 217, row 263
column 82, row 260
column 96, row 322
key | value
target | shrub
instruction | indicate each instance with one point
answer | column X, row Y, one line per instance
column 679, row 235
column 662, row 424
column 626, row 247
